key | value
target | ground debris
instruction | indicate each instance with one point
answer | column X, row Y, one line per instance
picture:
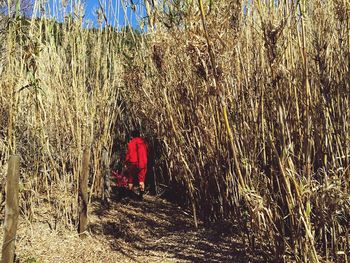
column 148, row 231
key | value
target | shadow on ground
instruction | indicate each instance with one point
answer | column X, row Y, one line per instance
column 158, row 229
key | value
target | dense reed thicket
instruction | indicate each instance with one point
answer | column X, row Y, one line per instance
column 59, row 94
column 249, row 103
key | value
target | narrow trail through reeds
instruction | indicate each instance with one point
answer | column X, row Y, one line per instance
column 131, row 231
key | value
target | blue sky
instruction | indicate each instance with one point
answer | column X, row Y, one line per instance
column 118, row 12
column 121, row 12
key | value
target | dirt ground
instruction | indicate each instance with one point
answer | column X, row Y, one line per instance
column 153, row 230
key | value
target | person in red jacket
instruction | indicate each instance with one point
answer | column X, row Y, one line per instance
column 136, row 161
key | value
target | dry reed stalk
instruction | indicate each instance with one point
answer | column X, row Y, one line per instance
column 12, row 210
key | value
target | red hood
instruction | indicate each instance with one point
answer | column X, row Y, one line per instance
column 138, row 140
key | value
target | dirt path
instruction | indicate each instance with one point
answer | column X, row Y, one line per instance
column 157, row 231
column 150, row 231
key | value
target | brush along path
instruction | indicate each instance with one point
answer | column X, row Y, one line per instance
column 150, row 231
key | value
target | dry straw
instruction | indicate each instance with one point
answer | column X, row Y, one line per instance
column 248, row 100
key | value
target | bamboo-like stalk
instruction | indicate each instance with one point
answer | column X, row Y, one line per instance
column 83, row 192
column 12, row 210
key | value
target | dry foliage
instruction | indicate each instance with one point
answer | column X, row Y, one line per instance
column 248, row 101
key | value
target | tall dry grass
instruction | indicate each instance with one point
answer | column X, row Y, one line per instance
column 59, row 91
column 248, row 103
column 251, row 104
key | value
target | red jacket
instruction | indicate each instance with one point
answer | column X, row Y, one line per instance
column 137, row 153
